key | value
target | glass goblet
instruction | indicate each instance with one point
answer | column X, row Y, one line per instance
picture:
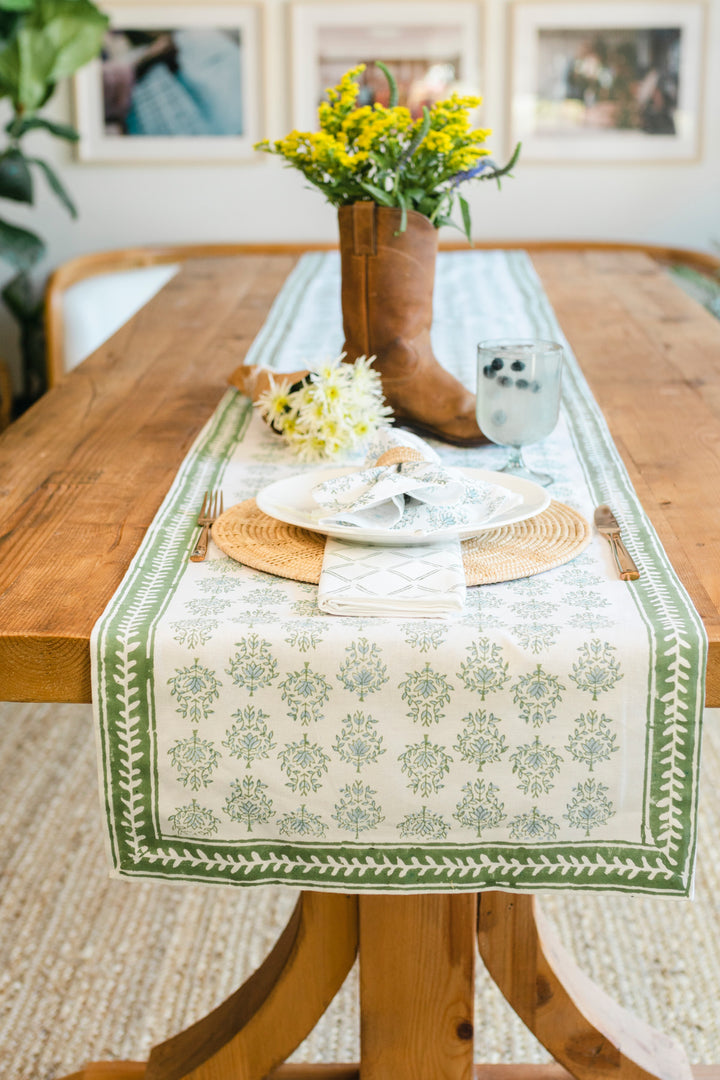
column 518, row 397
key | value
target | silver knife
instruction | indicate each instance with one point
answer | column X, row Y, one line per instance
column 606, row 523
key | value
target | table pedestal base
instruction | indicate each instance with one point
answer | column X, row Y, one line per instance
column 417, row 963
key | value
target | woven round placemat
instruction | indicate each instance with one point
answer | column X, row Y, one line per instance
column 539, row 543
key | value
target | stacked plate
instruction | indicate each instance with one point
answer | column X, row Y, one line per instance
column 291, row 501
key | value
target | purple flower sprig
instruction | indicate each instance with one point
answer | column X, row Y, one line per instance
column 487, row 169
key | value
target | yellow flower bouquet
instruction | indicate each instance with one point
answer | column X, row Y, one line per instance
column 382, row 154
column 395, row 180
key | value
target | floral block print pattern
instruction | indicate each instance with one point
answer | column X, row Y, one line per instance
column 547, row 738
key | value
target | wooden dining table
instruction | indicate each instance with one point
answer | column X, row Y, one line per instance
column 82, row 475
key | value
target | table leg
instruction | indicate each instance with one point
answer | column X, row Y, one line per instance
column 261, row 1024
column 416, row 1000
column 417, row 974
column 583, row 1028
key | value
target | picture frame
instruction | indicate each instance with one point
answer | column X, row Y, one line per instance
column 431, row 48
column 175, row 82
column 606, row 81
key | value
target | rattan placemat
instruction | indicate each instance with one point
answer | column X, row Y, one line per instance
column 539, row 543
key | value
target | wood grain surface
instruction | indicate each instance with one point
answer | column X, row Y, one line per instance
column 260, row 1025
column 584, row 1029
column 652, row 358
column 84, row 471
column 417, row 973
column 135, row 1070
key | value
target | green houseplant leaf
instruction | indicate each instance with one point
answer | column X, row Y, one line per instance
column 56, row 185
column 8, row 22
column 75, row 29
column 19, row 127
column 51, row 41
column 41, row 42
column 27, row 307
column 21, row 298
column 19, row 247
column 15, row 177
column 25, row 65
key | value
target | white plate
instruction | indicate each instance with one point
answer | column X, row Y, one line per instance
column 291, row 501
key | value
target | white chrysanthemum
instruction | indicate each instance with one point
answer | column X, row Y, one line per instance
column 337, row 407
column 365, row 377
column 276, row 405
column 330, row 371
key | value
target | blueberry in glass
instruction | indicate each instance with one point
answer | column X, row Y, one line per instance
column 514, row 412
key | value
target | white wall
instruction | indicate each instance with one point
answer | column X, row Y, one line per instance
column 677, row 204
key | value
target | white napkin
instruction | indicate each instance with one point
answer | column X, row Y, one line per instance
column 417, row 496
column 425, row 581
column 417, row 581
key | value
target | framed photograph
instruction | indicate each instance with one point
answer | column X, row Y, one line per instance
column 174, row 82
column 431, row 49
column 609, row 81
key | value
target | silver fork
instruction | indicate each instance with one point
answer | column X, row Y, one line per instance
column 212, row 507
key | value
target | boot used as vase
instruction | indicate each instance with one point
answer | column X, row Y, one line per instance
column 387, row 295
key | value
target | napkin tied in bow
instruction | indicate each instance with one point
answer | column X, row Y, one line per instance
column 420, row 496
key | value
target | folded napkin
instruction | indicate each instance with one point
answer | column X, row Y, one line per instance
column 418, row 581
column 425, row 581
column 417, row 496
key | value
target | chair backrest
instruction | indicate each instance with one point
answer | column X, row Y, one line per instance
column 95, row 308
column 91, row 296
column 5, row 396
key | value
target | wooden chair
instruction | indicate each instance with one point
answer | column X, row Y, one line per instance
column 6, row 396
column 138, row 273
column 144, row 269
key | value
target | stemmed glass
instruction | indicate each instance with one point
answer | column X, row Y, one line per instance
column 518, row 397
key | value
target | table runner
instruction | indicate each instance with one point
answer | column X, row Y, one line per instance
column 549, row 738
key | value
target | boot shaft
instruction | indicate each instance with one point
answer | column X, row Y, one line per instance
column 387, row 277
column 387, row 297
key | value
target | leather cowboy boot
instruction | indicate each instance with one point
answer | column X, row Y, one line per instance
column 387, row 291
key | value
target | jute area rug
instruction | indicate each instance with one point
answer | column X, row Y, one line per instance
column 96, row 969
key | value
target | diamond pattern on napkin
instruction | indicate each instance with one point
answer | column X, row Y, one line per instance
column 425, row 580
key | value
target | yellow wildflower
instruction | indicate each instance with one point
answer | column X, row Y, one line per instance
column 381, row 124
column 465, row 158
column 438, row 142
column 383, row 153
column 341, row 100
column 347, row 87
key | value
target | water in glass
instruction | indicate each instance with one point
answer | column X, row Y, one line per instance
column 518, row 396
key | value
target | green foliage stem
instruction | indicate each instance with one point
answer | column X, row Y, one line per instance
column 391, row 83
